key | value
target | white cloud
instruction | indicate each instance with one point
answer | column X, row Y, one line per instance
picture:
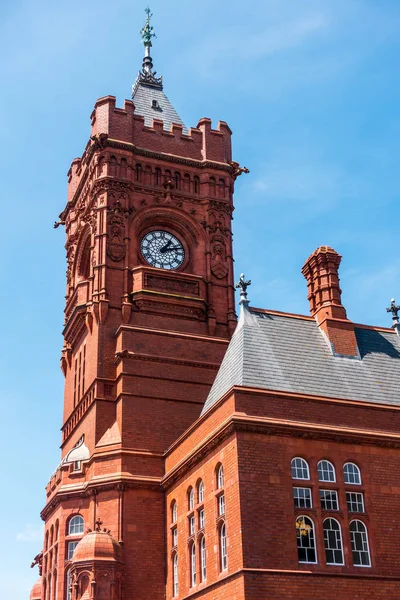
column 31, row 533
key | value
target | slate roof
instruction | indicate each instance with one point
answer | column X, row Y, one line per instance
column 280, row 352
column 143, row 96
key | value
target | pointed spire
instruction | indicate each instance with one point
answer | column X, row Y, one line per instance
column 147, row 75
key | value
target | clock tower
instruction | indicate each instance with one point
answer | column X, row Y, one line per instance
column 149, row 313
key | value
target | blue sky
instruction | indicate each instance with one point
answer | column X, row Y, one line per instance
column 311, row 92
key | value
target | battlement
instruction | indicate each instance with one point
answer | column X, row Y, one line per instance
column 200, row 143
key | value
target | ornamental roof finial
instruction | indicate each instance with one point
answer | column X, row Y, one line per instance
column 147, row 33
column 242, row 284
column 395, row 315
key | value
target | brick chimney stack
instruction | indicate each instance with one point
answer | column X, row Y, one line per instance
column 324, row 294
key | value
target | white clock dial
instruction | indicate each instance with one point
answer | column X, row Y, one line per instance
column 163, row 250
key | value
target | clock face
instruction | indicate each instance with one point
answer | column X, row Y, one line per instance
column 162, row 250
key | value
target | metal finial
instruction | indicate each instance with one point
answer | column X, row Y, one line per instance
column 98, row 524
column 395, row 314
column 147, row 31
column 242, row 284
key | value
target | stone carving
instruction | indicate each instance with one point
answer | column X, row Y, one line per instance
column 157, row 282
column 218, row 257
column 116, row 217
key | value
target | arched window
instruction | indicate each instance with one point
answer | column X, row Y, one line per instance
column 191, row 498
column 196, row 184
column 192, row 552
column 167, row 176
column 352, row 474
column 157, row 176
column 220, row 477
column 100, row 166
column 177, row 178
column 175, row 575
column 51, row 535
column 326, row 471
column 186, row 182
column 300, row 468
column 221, row 187
column 333, row 542
column 84, row 263
column 113, row 166
column 76, row 525
column 200, row 492
column 203, row 559
column 123, row 168
column 222, row 548
column 56, row 531
column 54, row 585
column 213, row 186
column 147, row 175
column 359, row 544
column 306, row 550
column 68, row 586
column 174, row 512
column 138, row 172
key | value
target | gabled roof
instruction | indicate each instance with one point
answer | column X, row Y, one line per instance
column 151, row 103
column 290, row 354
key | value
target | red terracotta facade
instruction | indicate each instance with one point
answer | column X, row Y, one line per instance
column 142, row 349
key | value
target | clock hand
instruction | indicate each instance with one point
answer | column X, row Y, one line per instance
column 166, row 247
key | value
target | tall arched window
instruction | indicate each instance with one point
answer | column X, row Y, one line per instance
column 186, row 182
column 203, row 558
column 174, row 512
column 200, row 492
column 175, row 575
column 220, row 477
column 359, row 544
column 51, row 535
column 76, row 525
column 300, row 468
column 191, row 498
column 68, row 595
column 177, row 178
column 138, row 172
column 147, row 175
column 326, row 471
column 306, row 550
column 333, row 542
column 222, row 548
column 212, row 186
column 192, row 553
column 196, row 184
column 157, row 176
column 113, row 166
column 221, row 188
column 352, row 474
column 123, row 168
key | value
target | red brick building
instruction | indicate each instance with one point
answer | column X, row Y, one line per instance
column 204, row 457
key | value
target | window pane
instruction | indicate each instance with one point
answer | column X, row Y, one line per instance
column 305, row 540
column 175, row 575
column 71, row 548
column 352, row 474
column 224, row 556
column 355, row 501
column 220, row 477
column 326, row 471
column 221, row 505
column 201, row 492
column 201, row 519
column 359, row 544
column 333, row 542
column 191, row 525
column 175, row 537
column 76, row 525
column 191, row 499
column 329, row 500
column 203, row 559
column 193, row 565
column 300, row 469
column 302, row 497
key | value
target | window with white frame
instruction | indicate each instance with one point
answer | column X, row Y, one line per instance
column 223, row 548
column 192, row 565
column 203, row 558
column 352, row 474
column 306, row 550
column 191, row 498
column 71, row 548
column 326, row 471
column 300, row 468
column 220, row 477
column 201, row 518
column 174, row 512
column 329, row 499
column 359, row 544
column 355, row 501
column 175, row 575
column 302, row 497
column 174, row 537
column 76, row 525
column 200, row 492
column 221, row 504
column 333, row 542
column 192, row 525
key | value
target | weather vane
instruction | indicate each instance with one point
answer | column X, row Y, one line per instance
column 147, row 31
